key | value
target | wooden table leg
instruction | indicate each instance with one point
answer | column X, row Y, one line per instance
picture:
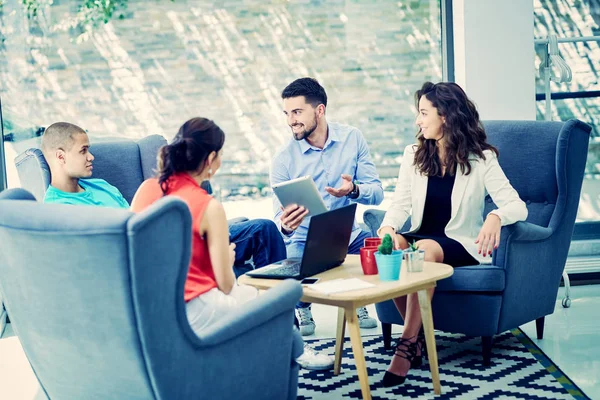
column 339, row 340
column 357, row 349
column 425, row 305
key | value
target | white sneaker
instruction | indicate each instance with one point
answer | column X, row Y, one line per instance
column 312, row 359
column 364, row 320
column 306, row 321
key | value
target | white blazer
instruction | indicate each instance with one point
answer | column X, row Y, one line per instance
column 468, row 199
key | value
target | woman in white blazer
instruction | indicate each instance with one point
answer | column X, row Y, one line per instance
column 442, row 185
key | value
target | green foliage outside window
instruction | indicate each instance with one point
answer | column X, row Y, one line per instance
column 90, row 13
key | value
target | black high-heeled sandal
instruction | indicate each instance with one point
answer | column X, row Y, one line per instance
column 420, row 346
column 407, row 350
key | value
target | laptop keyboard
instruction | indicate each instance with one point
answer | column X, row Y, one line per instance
column 287, row 269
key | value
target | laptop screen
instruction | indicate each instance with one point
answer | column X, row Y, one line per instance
column 327, row 240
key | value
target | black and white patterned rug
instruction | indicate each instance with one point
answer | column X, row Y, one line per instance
column 519, row 370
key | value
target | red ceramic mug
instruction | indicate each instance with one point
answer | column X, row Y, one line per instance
column 371, row 242
column 367, row 260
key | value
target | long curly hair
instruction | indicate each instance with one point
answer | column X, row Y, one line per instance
column 192, row 145
column 462, row 131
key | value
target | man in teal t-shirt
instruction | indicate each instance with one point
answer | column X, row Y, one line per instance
column 96, row 192
column 66, row 148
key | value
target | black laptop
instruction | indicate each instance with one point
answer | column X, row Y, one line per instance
column 326, row 247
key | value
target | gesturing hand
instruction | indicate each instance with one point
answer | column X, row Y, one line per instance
column 292, row 217
column 489, row 237
column 343, row 190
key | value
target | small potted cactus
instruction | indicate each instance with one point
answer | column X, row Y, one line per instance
column 387, row 245
column 388, row 260
column 413, row 246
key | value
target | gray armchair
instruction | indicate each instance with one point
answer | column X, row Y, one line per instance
column 96, row 300
column 544, row 162
column 124, row 164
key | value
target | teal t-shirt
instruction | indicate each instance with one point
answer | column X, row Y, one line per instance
column 97, row 192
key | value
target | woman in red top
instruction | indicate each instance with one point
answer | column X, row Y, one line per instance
column 193, row 157
column 210, row 289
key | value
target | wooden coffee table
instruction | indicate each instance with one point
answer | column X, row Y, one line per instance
column 348, row 302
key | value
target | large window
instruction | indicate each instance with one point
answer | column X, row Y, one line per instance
column 158, row 63
column 575, row 19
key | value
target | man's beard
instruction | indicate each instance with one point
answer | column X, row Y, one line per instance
column 305, row 133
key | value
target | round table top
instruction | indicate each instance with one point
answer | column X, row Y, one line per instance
column 408, row 282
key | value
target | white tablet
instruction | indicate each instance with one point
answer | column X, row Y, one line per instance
column 301, row 191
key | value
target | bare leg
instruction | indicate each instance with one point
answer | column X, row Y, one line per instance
column 412, row 318
column 400, row 303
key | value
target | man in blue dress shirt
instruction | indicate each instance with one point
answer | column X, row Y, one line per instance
column 337, row 157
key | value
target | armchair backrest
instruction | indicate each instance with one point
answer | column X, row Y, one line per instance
column 124, row 164
column 78, row 286
column 535, row 155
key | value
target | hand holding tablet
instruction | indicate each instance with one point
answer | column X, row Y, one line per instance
column 292, row 217
column 301, row 192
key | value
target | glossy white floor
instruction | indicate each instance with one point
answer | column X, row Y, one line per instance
column 571, row 340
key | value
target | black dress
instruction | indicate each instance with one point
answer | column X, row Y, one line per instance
column 436, row 215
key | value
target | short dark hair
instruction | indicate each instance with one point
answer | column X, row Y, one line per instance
column 312, row 91
column 59, row 136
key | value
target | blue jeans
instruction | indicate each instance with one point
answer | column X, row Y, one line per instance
column 258, row 239
column 354, row 248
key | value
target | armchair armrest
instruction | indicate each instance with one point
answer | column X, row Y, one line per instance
column 533, row 258
column 519, row 232
column 248, row 354
column 273, row 302
column 526, row 231
column 373, row 218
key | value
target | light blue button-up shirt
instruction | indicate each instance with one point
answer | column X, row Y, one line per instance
column 345, row 152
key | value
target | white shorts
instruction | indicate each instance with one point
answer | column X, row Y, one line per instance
column 209, row 307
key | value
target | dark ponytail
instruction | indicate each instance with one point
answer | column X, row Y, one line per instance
column 192, row 145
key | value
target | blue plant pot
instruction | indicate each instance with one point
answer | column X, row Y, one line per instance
column 388, row 265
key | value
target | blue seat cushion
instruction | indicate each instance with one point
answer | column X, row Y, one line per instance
column 475, row 278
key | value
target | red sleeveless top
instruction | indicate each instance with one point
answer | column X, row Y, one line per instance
column 201, row 277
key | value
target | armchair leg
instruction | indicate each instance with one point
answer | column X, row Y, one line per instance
column 486, row 347
column 387, row 335
column 539, row 327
